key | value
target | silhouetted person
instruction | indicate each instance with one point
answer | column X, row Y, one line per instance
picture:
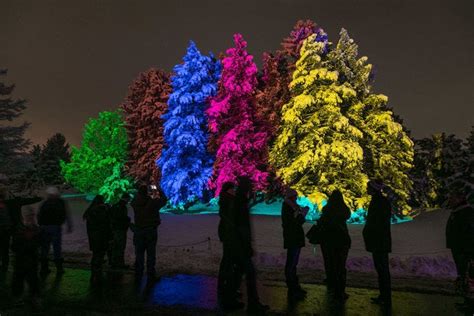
column 293, row 218
column 10, row 221
column 146, row 207
column 228, row 278
column 335, row 244
column 242, row 246
column 6, row 227
column 53, row 213
column 120, row 222
column 460, row 235
column 25, row 246
column 378, row 239
column 99, row 234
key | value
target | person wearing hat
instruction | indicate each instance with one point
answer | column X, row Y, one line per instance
column 293, row 218
column 378, row 239
column 53, row 213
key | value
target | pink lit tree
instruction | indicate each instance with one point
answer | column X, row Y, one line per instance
column 238, row 138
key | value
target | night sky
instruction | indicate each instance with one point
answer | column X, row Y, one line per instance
column 73, row 59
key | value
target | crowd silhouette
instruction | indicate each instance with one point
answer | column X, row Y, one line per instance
column 30, row 234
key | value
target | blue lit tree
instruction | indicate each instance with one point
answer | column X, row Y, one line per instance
column 185, row 163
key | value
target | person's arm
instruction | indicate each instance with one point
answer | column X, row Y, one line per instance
column 68, row 217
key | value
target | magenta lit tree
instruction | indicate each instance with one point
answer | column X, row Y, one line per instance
column 238, row 138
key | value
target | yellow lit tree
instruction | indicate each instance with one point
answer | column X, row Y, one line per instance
column 388, row 150
column 317, row 148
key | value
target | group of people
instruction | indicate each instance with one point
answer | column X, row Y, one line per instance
column 31, row 234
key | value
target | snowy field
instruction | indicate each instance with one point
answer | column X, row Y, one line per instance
column 189, row 244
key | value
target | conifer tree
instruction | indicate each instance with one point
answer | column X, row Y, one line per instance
column 317, row 149
column 13, row 143
column 387, row 148
column 48, row 166
column 185, row 163
column 146, row 102
column 97, row 166
column 238, row 135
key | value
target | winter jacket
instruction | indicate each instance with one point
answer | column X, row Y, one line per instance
column 147, row 210
column 52, row 212
column 377, row 234
column 227, row 217
column 241, row 236
column 460, row 230
column 98, row 227
column 334, row 231
column 14, row 206
column 292, row 222
column 119, row 219
column 26, row 243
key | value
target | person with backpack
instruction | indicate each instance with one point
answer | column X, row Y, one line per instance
column 53, row 213
column 293, row 218
column 335, row 244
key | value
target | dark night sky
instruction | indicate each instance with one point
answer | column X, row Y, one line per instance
column 73, row 59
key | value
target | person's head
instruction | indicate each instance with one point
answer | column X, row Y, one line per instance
column 244, row 186
column 52, row 192
column 125, row 198
column 336, row 198
column 374, row 186
column 227, row 187
column 98, row 200
column 29, row 216
column 457, row 195
column 143, row 190
column 291, row 194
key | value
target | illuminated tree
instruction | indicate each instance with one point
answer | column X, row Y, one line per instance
column 145, row 104
column 97, row 166
column 240, row 140
column 317, row 149
column 186, row 165
column 387, row 148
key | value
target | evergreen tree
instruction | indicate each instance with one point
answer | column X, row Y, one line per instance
column 98, row 165
column 388, row 151
column 238, row 135
column 48, row 165
column 12, row 140
column 454, row 164
column 317, row 149
column 145, row 104
column 186, row 164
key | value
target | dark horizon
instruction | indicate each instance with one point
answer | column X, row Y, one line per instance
column 72, row 61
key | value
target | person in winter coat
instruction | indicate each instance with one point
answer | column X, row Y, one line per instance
column 460, row 233
column 10, row 220
column 25, row 246
column 146, row 207
column 120, row 222
column 228, row 278
column 6, row 227
column 53, row 213
column 335, row 244
column 99, row 234
column 293, row 218
column 378, row 239
column 241, row 243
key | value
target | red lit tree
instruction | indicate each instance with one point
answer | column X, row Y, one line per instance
column 146, row 102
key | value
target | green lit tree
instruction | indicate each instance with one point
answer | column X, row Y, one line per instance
column 97, row 166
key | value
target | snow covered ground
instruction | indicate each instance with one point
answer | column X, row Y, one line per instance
column 189, row 244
